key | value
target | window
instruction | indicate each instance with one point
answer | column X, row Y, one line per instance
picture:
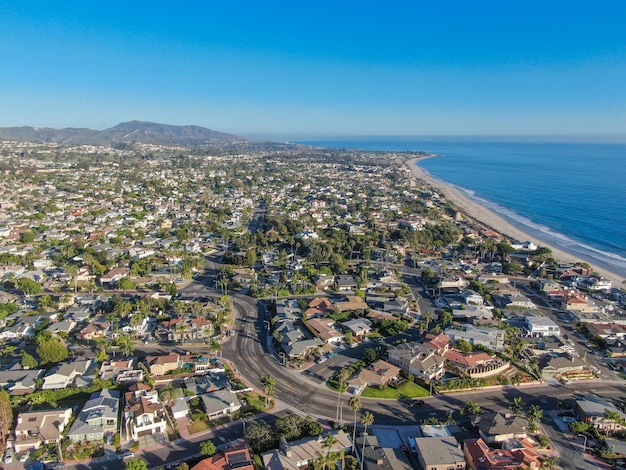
column 32, row 420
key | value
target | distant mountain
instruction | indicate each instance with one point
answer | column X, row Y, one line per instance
column 133, row 131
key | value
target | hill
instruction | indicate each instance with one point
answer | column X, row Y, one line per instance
column 133, row 131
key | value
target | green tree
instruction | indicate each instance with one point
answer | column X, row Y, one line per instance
column 260, row 436
column 290, row 427
column 328, row 443
column 28, row 361
column 125, row 284
column 27, row 237
column 136, row 464
column 52, row 351
column 29, row 287
column 355, row 405
column 370, row 355
column 517, row 405
column 366, row 420
column 6, row 415
column 464, row 345
column 269, row 386
column 472, row 408
column 208, row 448
column 341, row 376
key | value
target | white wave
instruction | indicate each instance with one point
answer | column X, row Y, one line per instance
column 612, row 260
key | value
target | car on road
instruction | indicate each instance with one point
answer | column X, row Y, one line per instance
column 416, row 403
column 53, row 465
column 126, row 455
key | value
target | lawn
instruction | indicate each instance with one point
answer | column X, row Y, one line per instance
column 198, row 425
column 408, row 390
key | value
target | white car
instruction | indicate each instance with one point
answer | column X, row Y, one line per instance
column 24, row 456
column 8, row 455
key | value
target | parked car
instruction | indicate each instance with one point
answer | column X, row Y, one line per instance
column 24, row 456
column 126, row 455
column 8, row 455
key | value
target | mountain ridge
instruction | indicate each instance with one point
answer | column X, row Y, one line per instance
column 124, row 132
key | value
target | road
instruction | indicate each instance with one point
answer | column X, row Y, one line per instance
column 250, row 352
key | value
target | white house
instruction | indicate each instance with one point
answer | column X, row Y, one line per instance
column 541, row 326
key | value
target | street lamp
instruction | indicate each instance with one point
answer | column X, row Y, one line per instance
column 267, row 324
column 585, row 444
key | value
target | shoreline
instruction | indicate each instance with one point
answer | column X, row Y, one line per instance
column 474, row 210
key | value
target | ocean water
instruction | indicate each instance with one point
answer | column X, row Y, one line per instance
column 570, row 195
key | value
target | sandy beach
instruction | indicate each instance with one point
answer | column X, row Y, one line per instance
column 489, row 218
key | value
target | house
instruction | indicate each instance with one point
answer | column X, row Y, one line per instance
column 554, row 365
column 496, row 427
column 324, row 281
column 344, row 283
column 114, row 274
column 65, row 374
column 541, row 326
column 18, row 381
column 288, row 309
column 234, row 456
column 473, row 312
column 123, row 371
column 298, row 454
column 219, row 403
column 37, row 428
column 319, row 307
column 492, row 338
column 439, row 453
column 143, row 412
column 78, row 314
column 353, row 302
column 377, row 374
column 61, row 328
column 476, row 365
column 19, row 330
column 95, row 330
column 97, row 418
column 360, row 327
column 417, row 359
column 593, row 410
column 480, row 456
column 472, row 297
column 179, row 408
column 324, row 329
column 376, row 457
column 293, row 340
column 161, row 365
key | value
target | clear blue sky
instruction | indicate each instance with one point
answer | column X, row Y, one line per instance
column 317, row 68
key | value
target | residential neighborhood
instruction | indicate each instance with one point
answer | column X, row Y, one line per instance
column 125, row 277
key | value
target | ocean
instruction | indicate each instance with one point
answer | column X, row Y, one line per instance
column 570, row 195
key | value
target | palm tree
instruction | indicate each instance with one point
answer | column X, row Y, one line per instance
column 214, row 346
column 329, row 443
column 366, row 420
column 342, row 376
column 355, row 405
column 126, row 344
column 517, row 405
column 535, row 413
column 472, row 408
column 269, row 385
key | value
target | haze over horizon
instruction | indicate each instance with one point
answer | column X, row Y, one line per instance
column 294, row 71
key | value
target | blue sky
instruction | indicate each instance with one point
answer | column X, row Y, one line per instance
column 319, row 68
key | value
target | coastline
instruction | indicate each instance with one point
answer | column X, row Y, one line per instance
column 489, row 218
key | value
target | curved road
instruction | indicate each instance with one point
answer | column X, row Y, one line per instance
column 248, row 351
